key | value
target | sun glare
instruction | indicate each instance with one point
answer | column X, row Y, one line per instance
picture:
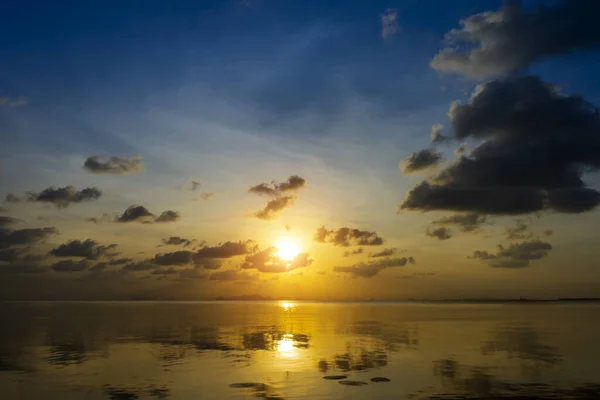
column 287, row 249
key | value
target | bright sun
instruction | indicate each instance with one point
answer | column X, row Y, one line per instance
column 287, row 249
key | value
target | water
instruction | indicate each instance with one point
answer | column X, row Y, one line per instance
column 281, row 350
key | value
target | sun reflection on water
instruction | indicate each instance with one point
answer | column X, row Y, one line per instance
column 287, row 306
column 286, row 346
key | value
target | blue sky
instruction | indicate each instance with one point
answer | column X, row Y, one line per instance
column 233, row 93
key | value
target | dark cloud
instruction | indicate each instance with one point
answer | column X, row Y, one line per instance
column 277, row 190
column 136, row 213
column 7, row 221
column 165, row 271
column 467, row 222
column 518, row 232
column 113, row 165
column 63, row 197
column 207, row 195
column 384, row 253
column 177, row 241
column 421, row 160
column 536, row 145
column 12, row 199
column 275, row 206
column 293, row 183
column 227, row 250
column 120, row 261
column 139, row 266
column 360, row 250
column 441, row 233
column 418, row 275
column 20, row 254
column 143, row 215
column 233, row 275
column 70, row 266
column 182, row 257
column 88, row 249
column 168, row 216
column 22, row 237
column 516, row 255
column 103, row 218
column 510, row 39
column 195, row 186
column 370, row 269
column 267, row 261
column 548, row 232
column 347, row 237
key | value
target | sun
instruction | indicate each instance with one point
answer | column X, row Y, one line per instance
column 287, row 249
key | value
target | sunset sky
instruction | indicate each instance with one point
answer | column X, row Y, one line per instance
column 299, row 149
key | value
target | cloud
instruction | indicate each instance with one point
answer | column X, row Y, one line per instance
column 441, row 233
column 509, row 40
column 13, row 102
column 165, row 271
column 548, row 232
column 384, row 253
column 177, row 241
column 420, row 161
column 12, row 199
column 70, row 266
column 207, row 195
column 294, row 183
column 63, row 197
column 536, row 145
column 436, row 134
column 347, row 237
column 136, row 213
column 516, row 255
column 277, row 190
column 267, row 261
column 467, row 222
column 139, row 266
column 113, row 165
column 168, row 216
column 227, row 250
column 142, row 214
column 389, row 23
column 182, row 257
column 418, row 275
column 88, row 249
column 7, row 221
column 96, row 220
column 233, row 275
column 349, row 253
column 23, row 237
column 518, row 232
column 274, row 207
column 370, row 269
column 195, row 186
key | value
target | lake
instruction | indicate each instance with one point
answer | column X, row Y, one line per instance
column 299, row 350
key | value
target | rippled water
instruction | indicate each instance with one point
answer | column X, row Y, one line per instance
column 281, row 350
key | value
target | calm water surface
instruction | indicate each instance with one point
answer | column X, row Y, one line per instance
column 282, row 350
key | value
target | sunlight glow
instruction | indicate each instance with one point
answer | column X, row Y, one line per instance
column 287, row 249
column 287, row 305
column 286, row 347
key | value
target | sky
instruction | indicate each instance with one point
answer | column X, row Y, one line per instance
column 299, row 149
